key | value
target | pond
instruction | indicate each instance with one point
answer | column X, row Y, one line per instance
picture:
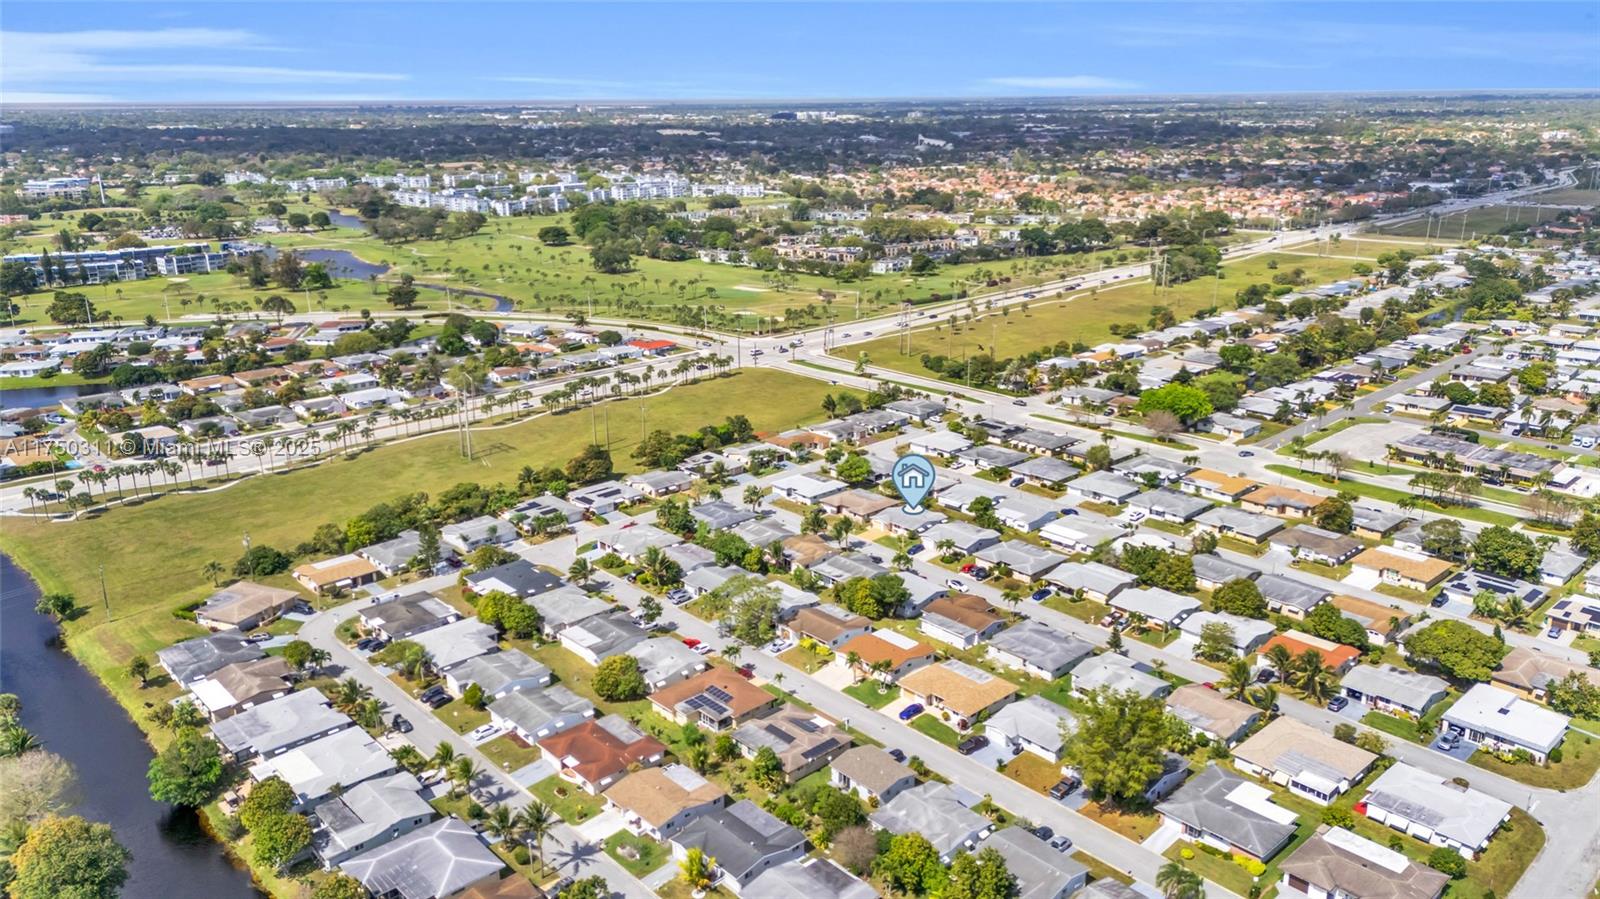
column 46, row 397
column 74, row 717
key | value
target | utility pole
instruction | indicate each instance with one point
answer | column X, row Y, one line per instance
column 104, row 596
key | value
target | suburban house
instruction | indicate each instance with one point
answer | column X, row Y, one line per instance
column 716, row 699
column 497, row 674
column 660, row 483
column 1040, row 870
column 745, row 841
column 940, row 812
column 597, row 753
column 600, row 637
column 885, row 655
column 1288, row 596
column 1211, row 571
column 1284, row 502
column 958, row 688
column 664, row 661
column 458, row 641
column 339, row 760
column 1104, row 487
column 563, row 607
column 658, row 802
column 1413, row 571
column 1466, row 585
column 196, row 658
column 828, row 625
column 275, row 727
column 1110, row 671
column 1237, row 524
column 1211, row 714
column 1032, row 724
column 1169, row 505
column 1160, row 608
column 1529, row 673
column 1336, row 656
column 808, row 879
column 1027, row 561
column 536, row 714
column 1375, row 524
column 485, row 530
column 1336, row 862
column 870, row 772
column 960, row 619
column 1081, row 533
column 1434, row 809
column 516, row 578
column 394, row 556
column 804, row 488
column 803, row 741
column 1380, row 621
column 1038, row 650
column 964, row 537
column 1216, row 486
column 366, row 816
column 442, row 859
column 1307, row 543
column 345, row 572
column 1503, row 722
column 1395, row 691
column 1097, row 581
column 406, row 616
column 1249, row 634
column 1303, row 759
column 245, row 606
column 233, row 688
column 1229, row 813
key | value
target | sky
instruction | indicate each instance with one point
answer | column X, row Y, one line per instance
column 55, row 51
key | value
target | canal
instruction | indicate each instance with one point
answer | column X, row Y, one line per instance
column 74, row 717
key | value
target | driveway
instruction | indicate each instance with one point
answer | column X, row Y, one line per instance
column 1463, row 751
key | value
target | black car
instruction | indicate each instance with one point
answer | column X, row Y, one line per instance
column 897, row 755
column 431, row 693
column 1439, row 601
column 1043, row 832
column 1266, row 676
column 401, row 725
column 365, row 644
column 972, row 744
column 1064, row 788
column 443, row 699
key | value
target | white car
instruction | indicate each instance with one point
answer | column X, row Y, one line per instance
column 483, row 733
column 956, row 584
column 704, row 649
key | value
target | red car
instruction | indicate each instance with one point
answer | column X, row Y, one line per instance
column 967, row 568
column 747, row 670
column 690, row 642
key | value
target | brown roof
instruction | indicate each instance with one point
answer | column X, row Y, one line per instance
column 1529, row 670
column 1223, row 483
column 965, row 608
column 330, row 571
column 871, row 767
column 512, row 886
column 743, row 696
column 270, row 373
column 798, row 737
column 1357, row 873
column 243, row 680
column 245, row 599
column 1373, row 615
column 657, row 795
column 961, row 688
column 1224, row 716
column 1272, row 496
column 859, row 502
column 808, row 549
column 815, row 622
column 1427, row 569
column 1274, row 746
column 874, row 648
column 596, row 750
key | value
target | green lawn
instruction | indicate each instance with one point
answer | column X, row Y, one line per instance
column 1033, row 772
column 461, row 717
column 1220, row 871
column 569, row 801
column 638, row 854
column 1580, row 760
column 931, row 726
column 867, row 692
column 1086, row 316
column 508, row 753
column 1464, row 225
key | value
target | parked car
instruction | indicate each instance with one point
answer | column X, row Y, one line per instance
column 1449, row 740
column 1266, row 676
column 483, row 732
column 1043, row 832
column 1015, row 482
column 1439, row 601
column 1069, row 511
column 968, row 568
column 1245, row 454
column 1063, row 788
column 437, row 700
column 1041, row 594
column 1019, row 403
column 1337, row 703
column 972, row 744
column 897, row 755
column 704, row 649
column 1554, row 633
column 956, row 584
column 911, row 711
column 401, row 725
column 691, row 642
column 1062, row 843
column 747, row 670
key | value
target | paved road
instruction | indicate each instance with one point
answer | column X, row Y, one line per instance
column 565, row 849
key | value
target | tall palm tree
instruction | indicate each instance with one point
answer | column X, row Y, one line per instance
column 580, row 571
column 350, row 693
column 502, row 822
column 1314, row 677
column 1264, row 697
column 212, row 571
column 1282, row 659
column 536, row 821
column 444, row 755
column 462, row 773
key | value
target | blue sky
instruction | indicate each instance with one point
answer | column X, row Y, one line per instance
column 289, row 50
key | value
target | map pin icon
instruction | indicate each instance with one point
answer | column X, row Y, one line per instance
column 913, row 478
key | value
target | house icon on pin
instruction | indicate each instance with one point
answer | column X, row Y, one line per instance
column 913, row 478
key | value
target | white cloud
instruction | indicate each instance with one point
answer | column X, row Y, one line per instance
column 1063, row 83
column 56, row 61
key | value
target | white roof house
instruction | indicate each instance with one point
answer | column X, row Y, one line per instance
column 1434, row 809
column 1502, row 720
column 1160, row 606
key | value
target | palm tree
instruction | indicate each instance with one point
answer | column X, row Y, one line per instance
column 350, row 693
column 444, row 755
column 1177, row 882
column 462, row 773
column 1314, row 677
column 1282, row 659
column 697, row 870
column 536, row 821
column 1238, row 679
column 502, row 822
column 580, row 571
column 212, row 571
column 139, row 667
column 1264, row 697
column 841, row 531
column 656, row 564
column 752, row 496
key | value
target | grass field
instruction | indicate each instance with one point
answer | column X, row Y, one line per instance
column 153, row 552
column 1571, row 196
column 1463, row 225
column 1086, row 317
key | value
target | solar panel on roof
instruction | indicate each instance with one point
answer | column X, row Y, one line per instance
column 821, row 748
column 719, row 694
column 807, row 725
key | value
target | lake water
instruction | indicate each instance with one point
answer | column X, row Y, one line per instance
column 46, row 397
column 346, row 220
column 340, row 263
column 74, row 717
